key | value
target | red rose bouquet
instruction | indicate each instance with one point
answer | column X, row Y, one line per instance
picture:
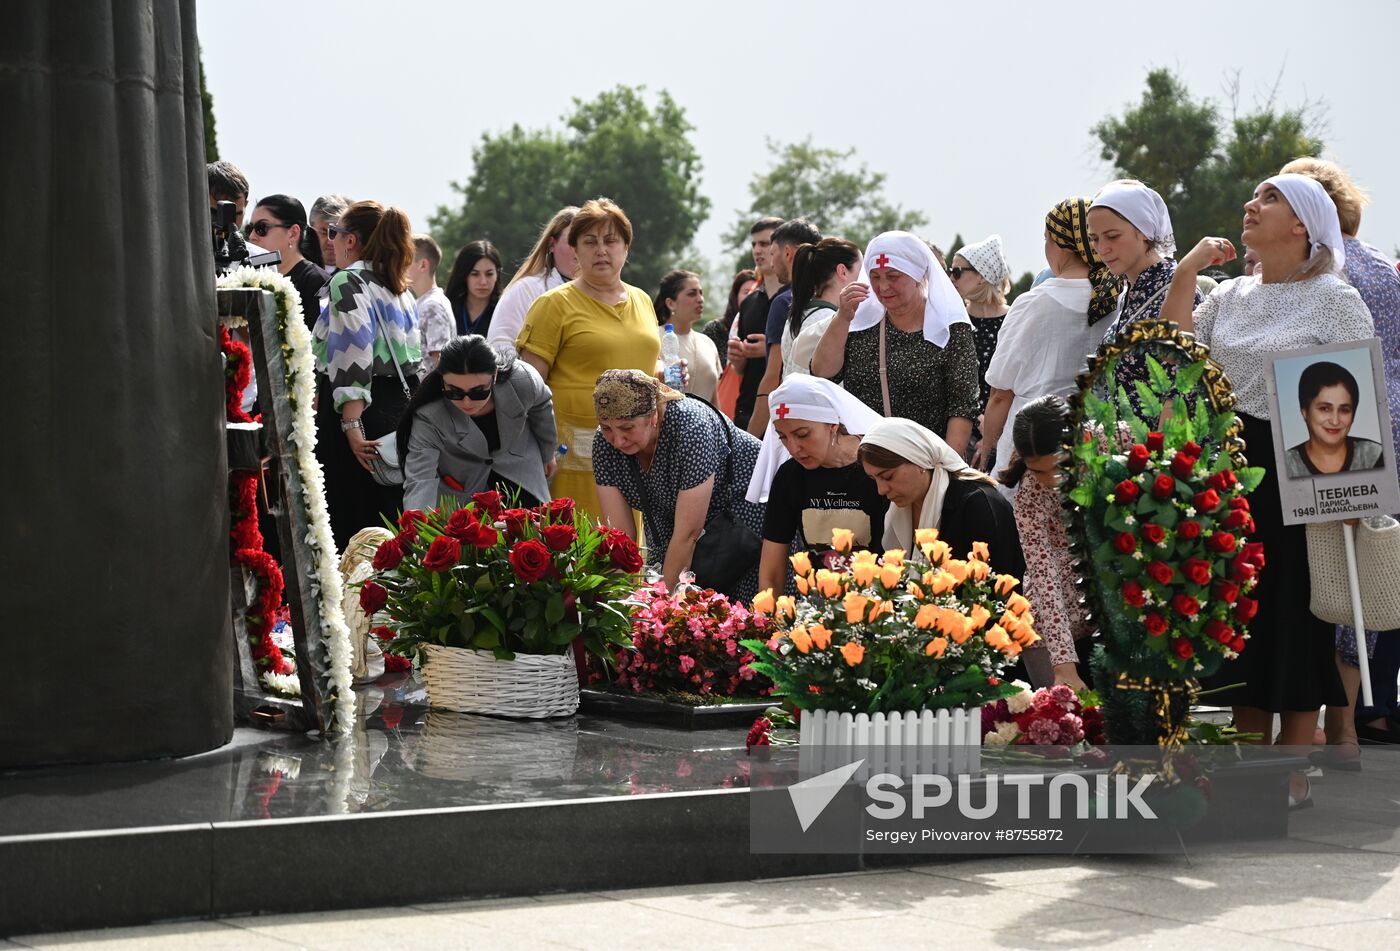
column 507, row 580
column 689, row 642
column 1161, row 528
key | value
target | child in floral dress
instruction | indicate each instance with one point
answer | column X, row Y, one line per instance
column 1060, row 618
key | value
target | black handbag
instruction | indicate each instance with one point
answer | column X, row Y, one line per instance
column 727, row 548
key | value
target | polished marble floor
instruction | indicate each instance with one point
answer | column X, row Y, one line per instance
column 401, row 756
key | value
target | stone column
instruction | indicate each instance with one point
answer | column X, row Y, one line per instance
column 114, row 580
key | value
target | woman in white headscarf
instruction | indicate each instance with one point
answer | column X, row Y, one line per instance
column 901, row 340
column 1131, row 230
column 808, row 475
column 982, row 279
column 929, row 486
column 1298, row 300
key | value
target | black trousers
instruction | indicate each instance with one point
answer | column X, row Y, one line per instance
column 355, row 500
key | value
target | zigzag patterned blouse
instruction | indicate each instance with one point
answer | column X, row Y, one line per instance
column 362, row 323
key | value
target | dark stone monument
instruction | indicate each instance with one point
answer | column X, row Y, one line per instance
column 114, row 578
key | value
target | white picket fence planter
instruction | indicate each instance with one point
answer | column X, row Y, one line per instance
column 914, row 741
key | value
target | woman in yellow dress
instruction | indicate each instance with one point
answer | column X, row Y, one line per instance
column 576, row 331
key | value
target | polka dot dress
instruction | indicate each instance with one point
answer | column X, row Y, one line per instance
column 691, row 447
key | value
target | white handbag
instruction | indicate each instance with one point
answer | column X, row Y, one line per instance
column 1377, row 569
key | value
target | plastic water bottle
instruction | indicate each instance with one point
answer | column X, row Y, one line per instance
column 559, row 455
column 671, row 357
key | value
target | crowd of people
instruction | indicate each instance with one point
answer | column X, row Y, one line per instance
column 877, row 390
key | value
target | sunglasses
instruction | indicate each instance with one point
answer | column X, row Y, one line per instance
column 476, row 393
column 261, row 228
column 957, row 272
column 335, row 230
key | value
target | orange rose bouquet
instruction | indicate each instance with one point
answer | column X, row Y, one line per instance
column 884, row 633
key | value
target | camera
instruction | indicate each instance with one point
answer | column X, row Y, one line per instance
column 230, row 250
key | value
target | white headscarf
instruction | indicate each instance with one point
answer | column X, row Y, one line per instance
column 923, row 448
column 1316, row 210
column 987, row 257
column 909, row 255
column 1143, row 208
column 812, row 399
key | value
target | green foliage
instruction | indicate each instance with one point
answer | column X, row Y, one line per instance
column 206, row 101
column 1117, row 497
column 615, row 145
column 1204, row 165
column 820, row 184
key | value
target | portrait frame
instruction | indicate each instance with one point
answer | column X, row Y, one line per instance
column 1369, row 485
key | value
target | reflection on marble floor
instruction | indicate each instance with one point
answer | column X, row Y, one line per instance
column 400, row 756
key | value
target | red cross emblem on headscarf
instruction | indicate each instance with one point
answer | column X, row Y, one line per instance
column 882, row 261
column 782, row 411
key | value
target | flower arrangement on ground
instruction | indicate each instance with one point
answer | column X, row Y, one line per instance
column 1049, row 717
column 882, row 634
column 1163, row 526
column 690, row 643
column 506, row 580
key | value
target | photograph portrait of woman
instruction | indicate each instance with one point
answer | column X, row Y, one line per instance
column 1329, row 399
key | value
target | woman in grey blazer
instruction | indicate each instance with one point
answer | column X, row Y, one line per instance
column 480, row 421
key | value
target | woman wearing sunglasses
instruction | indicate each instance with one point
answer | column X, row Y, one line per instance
column 481, row 420
column 279, row 224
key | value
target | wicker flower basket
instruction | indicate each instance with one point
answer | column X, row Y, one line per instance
column 533, row 686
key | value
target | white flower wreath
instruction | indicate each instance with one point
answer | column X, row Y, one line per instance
column 301, row 385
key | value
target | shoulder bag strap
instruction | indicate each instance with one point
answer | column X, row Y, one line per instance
column 884, row 377
column 1128, row 320
column 728, row 463
column 379, row 325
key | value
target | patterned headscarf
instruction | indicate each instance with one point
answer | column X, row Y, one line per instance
column 1069, row 230
column 627, row 394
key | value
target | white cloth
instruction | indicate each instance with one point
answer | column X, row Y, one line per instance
column 509, row 315
column 813, row 399
column 1143, row 208
column 987, row 257
column 925, row 449
column 909, row 255
column 702, row 358
column 1043, row 345
column 798, row 351
column 1316, row 210
column 1245, row 320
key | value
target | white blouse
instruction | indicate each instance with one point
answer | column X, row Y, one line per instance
column 509, row 315
column 1245, row 320
column 1044, row 344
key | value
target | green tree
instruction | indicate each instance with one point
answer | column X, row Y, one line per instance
column 819, row 184
column 206, row 101
column 616, row 145
column 1204, row 165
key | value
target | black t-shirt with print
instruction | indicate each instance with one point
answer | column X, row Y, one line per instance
column 808, row 503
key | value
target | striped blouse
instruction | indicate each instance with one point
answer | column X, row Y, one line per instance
column 361, row 325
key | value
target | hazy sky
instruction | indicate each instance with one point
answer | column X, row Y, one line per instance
column 979, row 113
